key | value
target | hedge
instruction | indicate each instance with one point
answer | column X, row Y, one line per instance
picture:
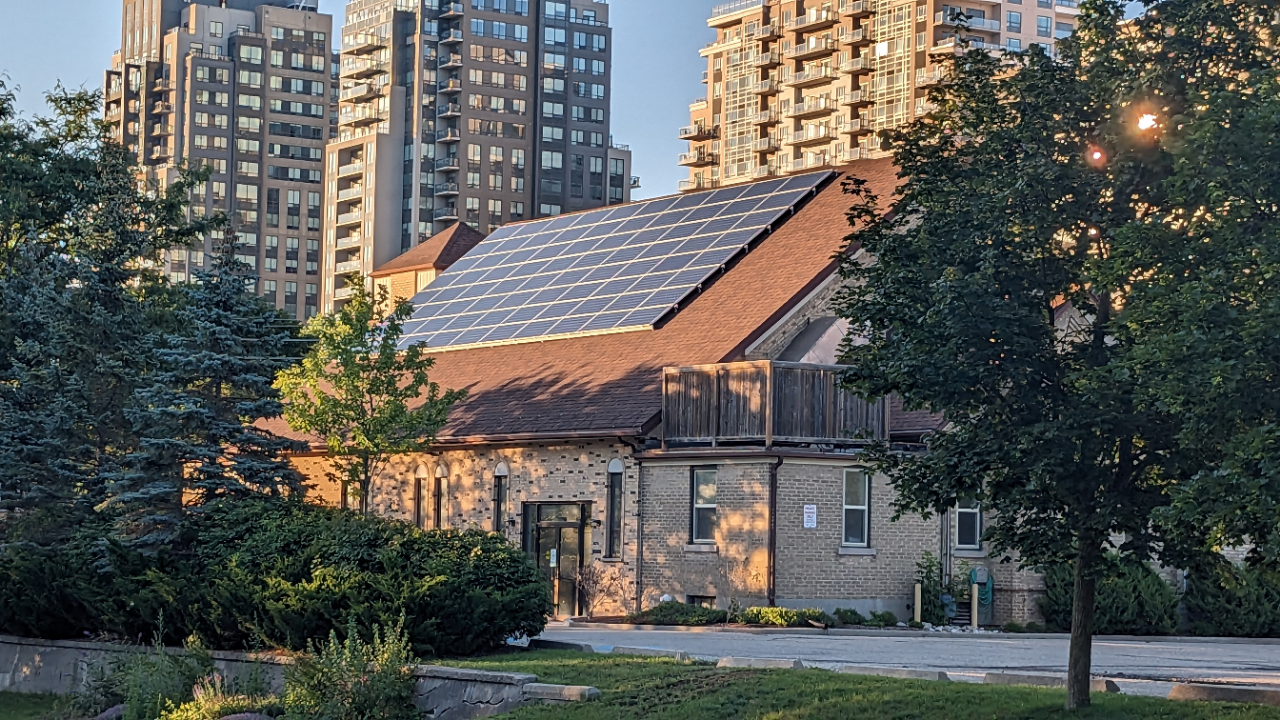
column 1232, row 601
column 1131, row 599
column 255, row 573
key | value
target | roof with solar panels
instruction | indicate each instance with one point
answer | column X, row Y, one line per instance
column 560, row 328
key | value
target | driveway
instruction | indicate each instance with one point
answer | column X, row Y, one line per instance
column 1152, row 665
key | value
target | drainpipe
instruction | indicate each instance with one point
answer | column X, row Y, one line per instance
column 639, row 520
column 773, row 530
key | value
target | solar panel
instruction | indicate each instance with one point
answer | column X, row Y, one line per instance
column 607, row 270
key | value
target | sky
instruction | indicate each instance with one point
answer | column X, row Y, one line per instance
column 656, row 68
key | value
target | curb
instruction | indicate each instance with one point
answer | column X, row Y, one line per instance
column 1224, row 693
column 760, row 663
column 892, row 672
column 1097, row 684
column 899, row 633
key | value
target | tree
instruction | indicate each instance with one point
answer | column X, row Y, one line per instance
column 358, row 389
column 1079, row 272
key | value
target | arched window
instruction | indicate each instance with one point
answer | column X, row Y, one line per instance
column 419, row 498
column 442, row 496
column 613, row 526
column 501, row 474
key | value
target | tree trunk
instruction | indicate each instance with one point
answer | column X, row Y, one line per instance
column 1080, row 660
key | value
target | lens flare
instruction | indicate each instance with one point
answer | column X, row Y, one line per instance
column 1146, row 122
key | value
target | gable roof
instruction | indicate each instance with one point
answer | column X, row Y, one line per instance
column 437, row 252
column 608, row 385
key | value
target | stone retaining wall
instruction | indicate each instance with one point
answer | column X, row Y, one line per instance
column 446, row 693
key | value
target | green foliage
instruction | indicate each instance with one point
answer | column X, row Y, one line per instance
column 785, row 617
column 883, row 618
column 147, row 683
column 357, row 389
column 849, row 616
column 348, row 679
column 279, row 574
column 1014, row 627
column 1228, row 601
column 674, row 612
column 1131, row 599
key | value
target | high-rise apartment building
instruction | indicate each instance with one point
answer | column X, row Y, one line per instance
column 795, row 85
column 485, row 112
column 247, row 89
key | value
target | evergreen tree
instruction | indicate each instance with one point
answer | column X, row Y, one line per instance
column 367, row 397
column 1080, row 273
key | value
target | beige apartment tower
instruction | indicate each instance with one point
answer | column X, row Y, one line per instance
column 244, row 88
column 795, row 85
column 484, row 113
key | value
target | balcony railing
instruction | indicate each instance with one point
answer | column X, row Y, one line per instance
column 699, row 132
column 351, row 169
column 734, row 6
column 349, row 266
column 696, row 185
column 754, row 403
column 815, row 46
column 696, row 159
column 856, row 8
column 959, row 19
column 813, row 20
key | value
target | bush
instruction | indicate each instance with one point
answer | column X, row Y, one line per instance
column 1228, row 601
column 882, row 619
column 1131, row 600
column 785, row 617
column 147, row 683
column 674, row 612
column 850, row 616
column 254, row 573
column 353, row 679
column 1014, row 627
column 214, row 698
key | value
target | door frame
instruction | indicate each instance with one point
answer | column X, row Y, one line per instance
column 529, row 539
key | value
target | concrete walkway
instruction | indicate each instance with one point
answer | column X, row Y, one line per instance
column 1150, row 667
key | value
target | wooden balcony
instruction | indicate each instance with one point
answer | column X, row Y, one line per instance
column 765, row 403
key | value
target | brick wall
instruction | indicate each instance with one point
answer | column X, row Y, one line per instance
column 781, row 336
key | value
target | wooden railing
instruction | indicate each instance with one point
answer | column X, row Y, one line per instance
column 747, row 403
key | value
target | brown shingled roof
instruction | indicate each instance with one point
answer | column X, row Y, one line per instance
column 438, row 251
column 606, row 385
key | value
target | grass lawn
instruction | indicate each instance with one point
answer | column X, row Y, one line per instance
column 634, row 687
column 14, row 706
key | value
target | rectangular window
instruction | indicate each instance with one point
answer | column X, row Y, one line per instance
column 1063, row 30
column 703, row 517
column 968, row 525
column 1014, row 45
column 1044, row 26
column 857, row 500
column 613, row 538
column 215, row 29
column 1013, row 21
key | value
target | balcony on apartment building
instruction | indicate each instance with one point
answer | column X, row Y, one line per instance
column 361, row 67
column 856, row 127
column 446, row 189
column 813, row 135
column 725, row 14
column 849, row 156
column 959, row 46
column 163, row 85
column 451, row 10
column 697, row 158
column 448, row 164
column 357, row 116
column 765, row 117
column 348, row 266
column 813, row 48
column 352, row 168
column 957, row 19
column 449, row 110
column 162, row 108
column 447, row 213
column 1067, row 7
column 812, row 108
column 767, row 59
column 350, row 242
column 765, row 403
column 355, row 93
column 450, row 61
column 698, row 132
column 856, row 37
column 451, row 37
column 815, row 19
column 765, row 87
column 355, row 217
column 362, row 43
column 343, row 292
column 856, row 66
column 811, row 77
column 161, row 152
column 698, row 105
column 931, row 76
column 697, row 184
column 856, row 9
column 448, row 135
column 765, row 171
column 353, row 192
column 452, row 85
column 857, row 98
column 161, row 129
column 765, row 31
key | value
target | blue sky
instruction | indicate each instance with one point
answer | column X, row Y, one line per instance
column 656, row 68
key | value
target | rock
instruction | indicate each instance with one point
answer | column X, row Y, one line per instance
column 902, row 624
column 114, row 713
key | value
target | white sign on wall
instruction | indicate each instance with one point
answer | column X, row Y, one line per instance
column 811, row 516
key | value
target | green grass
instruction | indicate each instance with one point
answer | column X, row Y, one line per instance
column 635, row 687
column 17, row 706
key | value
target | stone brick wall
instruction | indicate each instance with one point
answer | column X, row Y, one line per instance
column 781, row 336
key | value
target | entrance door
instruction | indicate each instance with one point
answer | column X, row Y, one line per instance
column 556, row 535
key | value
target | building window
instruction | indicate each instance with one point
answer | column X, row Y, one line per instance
column 613, row 538
column 704, row 505
column 215, row 29
column 968, row 524
column 857, row 499
column 1013, row 21
column 419, row 498
column 1044, row 26
column 440, row 497
column 501, row 474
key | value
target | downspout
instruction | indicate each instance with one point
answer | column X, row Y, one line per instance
column 773, row 530
column 639, row 523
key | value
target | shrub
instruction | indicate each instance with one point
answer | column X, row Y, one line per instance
column 850, row 616
column 785, row 617
column 1014, row 627
column 882, row 619
column 674, row 612
column 1131, row 600
column 147, row 683
column 1230, row 601
column 353, row 679
column 254, row 573
column 215, row 697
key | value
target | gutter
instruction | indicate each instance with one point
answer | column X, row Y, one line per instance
column 773, row 531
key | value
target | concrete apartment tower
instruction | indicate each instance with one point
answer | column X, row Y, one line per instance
column 485, row 112
column 245, row 87
column 795, row 85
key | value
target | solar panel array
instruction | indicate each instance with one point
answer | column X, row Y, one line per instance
column 607, row 270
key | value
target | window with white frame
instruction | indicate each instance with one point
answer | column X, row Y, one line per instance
column 857, row 501
column 968, row 524
column 704, row 505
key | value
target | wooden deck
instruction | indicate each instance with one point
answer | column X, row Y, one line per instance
column 753, row 403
